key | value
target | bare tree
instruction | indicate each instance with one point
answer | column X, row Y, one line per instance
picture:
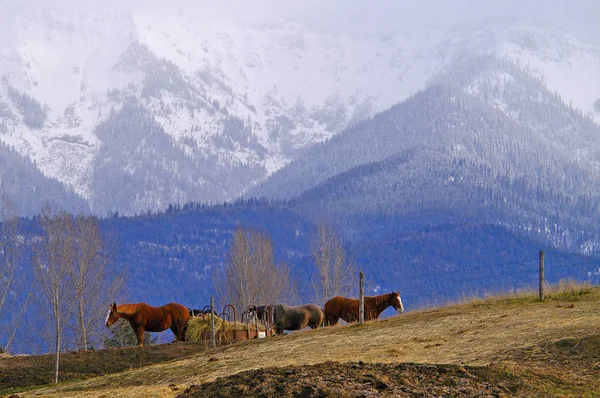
column 89, row 280
column 53, row 259
column 15, row 292
column 251, row 275
column 335, row 272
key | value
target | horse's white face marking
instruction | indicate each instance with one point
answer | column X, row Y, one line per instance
column 107, row 316
column 400, row 306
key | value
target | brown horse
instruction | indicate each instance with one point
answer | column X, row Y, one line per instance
column 348, row 308
column 145, row 318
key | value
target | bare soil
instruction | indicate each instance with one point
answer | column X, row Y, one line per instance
column 20, row 373
column 540, row 371
column 333, row 379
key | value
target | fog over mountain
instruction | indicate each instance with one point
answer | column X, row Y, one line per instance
column 135, row 106
column 579, row 16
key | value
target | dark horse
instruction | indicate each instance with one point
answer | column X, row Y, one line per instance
column 348, row 308
column 296, row 318
column 257, row 312
column 195, row 312
column 145, row 318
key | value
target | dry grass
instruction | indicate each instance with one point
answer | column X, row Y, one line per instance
column 199, row 329
column 478, row 332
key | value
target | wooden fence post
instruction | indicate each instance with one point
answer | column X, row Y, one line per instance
column 361, row 311
column 541, row 275
column 212, row 321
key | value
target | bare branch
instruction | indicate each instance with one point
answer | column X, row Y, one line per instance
column 335, row 272
column 251, row 275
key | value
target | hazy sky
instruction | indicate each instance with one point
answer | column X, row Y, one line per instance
column 580, row 16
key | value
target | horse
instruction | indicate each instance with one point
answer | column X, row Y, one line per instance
column 257, row 312
column 348, row 308
column 145, row 318
column 296, row 318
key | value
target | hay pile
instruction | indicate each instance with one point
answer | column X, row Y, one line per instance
column 199, row 328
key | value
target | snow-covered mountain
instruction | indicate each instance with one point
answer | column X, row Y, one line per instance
column 487, row 142
column 133, row 111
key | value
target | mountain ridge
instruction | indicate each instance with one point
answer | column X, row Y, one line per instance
column 247, row 94
column 445, row 149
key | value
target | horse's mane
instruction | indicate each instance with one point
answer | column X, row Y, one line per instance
column 128, row 309
column 348, row 308
column 378, row 303
column 379, row 300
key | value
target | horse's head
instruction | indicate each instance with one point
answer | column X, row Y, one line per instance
column 396, row 301
column 252, row 313
column 112, row 316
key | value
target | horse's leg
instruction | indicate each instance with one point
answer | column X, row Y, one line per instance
column 315, row 322
column 139, row 333
column 182, row 332
column 179, row 332
column 350, row 318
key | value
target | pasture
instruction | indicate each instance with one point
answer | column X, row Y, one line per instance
column 500, row 346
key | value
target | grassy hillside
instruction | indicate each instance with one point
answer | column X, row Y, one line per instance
column 510, row 345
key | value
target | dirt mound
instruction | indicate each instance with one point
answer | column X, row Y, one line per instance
column 582, row 354
column 586, row 348
column 332, row 379
column 22, row 372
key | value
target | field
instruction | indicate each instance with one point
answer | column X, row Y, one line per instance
column 500, row 346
